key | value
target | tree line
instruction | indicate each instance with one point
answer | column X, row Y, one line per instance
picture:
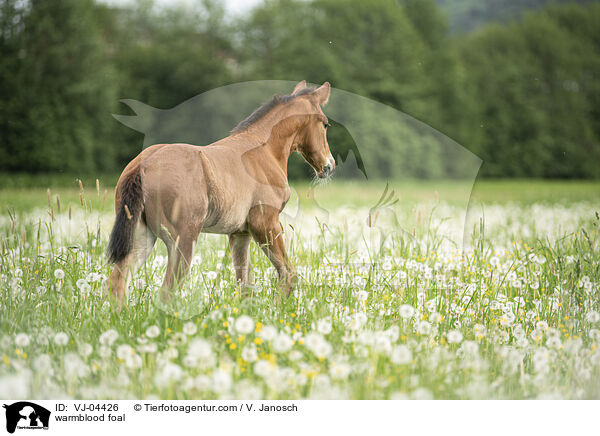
column 524, row 96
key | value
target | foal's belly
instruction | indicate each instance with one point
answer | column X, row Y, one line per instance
column 224, row 228
column 234, row 218
column 229, row 219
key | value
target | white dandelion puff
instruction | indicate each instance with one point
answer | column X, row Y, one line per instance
column 249, row 353
column 108, row 337
column 407, row 311
column 189, row 328
column 324, row 326
column 124, row 351
column 401, row 355
column 85, row 349
column 244, row 325
column 152, row 331
column 592, row 316
column 282, row 343
column 22, row 340
column 211, row 275
column 267, row 333
column 339, row 371
column 221, row 381
column 61, row 339
column 454, row 337
column 424, row 328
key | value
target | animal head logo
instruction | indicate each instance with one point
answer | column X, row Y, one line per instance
column 369, row 140
column 26, row 415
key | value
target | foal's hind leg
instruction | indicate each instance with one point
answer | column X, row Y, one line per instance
column 180, row 251
column 124, row 270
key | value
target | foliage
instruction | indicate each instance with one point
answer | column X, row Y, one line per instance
column 59, row 92
column 524, row 96
column 467, row 15
column 536, row 87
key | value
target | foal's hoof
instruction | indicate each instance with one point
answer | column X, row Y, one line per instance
column 247, row 291
column 282, row 295
column 166, row 297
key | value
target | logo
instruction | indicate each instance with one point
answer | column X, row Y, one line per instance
column 26, row 415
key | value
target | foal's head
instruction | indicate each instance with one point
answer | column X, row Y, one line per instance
column 299, row 116
column 311, row 139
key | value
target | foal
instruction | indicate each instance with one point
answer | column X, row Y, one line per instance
column 236, row 186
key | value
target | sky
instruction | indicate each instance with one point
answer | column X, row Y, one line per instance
column 234, row 7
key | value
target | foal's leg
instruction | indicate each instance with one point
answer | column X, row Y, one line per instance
column 180, row 252
column 239, row 243
column 267, row 231
column 124, row 270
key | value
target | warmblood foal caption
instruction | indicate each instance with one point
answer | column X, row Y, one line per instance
column 236, row 186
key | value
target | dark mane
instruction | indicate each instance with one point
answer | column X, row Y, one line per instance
column 265, row 108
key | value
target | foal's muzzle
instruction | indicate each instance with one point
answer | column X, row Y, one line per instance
column 328, row 169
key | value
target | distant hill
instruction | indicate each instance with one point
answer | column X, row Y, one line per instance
column 467, row 15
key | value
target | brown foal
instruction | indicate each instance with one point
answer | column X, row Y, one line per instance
column 236, row 186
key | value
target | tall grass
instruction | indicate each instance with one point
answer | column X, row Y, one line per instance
column 392, row 310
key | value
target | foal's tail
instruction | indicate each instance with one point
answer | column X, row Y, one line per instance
column 131, row 204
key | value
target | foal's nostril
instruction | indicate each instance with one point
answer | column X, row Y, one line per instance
column 331, row 166
column 326, row 171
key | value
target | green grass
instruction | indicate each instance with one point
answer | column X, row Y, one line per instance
column 377, row 313
column 33, row 193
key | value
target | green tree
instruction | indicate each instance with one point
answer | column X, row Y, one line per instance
column 369, row 48
column 536, row 95
column 62, row 89
column 379, row 49
column 165, row 56
column 11, row 30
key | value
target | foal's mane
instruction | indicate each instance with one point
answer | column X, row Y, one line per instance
column 265, row 108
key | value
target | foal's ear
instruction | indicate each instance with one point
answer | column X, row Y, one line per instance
column 299, row 87
column 322, row 93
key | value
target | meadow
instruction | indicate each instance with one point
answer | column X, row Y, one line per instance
column 393, row 301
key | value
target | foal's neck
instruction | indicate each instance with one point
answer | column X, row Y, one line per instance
column 276, row 136
column 280, row 147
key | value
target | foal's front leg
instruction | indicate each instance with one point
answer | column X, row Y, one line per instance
column 267, row 231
